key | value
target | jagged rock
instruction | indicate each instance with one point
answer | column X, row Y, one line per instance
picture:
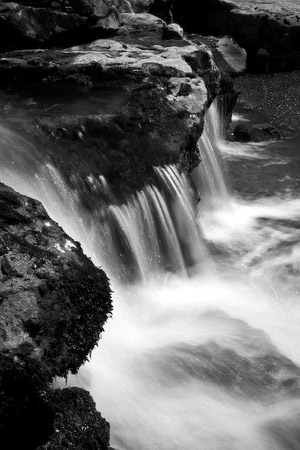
column 229, row 56
column 256, row 133
column 173, row 31
column 54, row 303
column 76, row 422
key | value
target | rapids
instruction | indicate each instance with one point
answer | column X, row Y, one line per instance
column 202, row 350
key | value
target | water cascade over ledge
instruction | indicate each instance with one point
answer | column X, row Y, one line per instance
column 202, row 350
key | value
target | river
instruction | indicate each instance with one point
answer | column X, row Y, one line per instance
column 202, row 350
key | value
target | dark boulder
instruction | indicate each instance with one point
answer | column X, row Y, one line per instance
column 23, row 26
column 173, row 31
column 159, row 8
column 76, row 422
column 27, row 27
column 54, row 303
column 256, row 133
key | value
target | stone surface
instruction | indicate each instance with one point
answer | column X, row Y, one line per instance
column 54, row 303
column 160, row 8
column 136, row 101
column 271, row 26
column 228, row 55
column 24, row 26
column 152, row 95
column 76, row 422
column 173, row 31
column 142, row 22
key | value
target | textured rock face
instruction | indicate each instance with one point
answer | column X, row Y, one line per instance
column 141, row 22
column 76, row 423
column 31, row 24
column 152, row 95
column 173, row 31
column 54, row 303
column 145, row 94
column 52, row 297
column 269, row 31
column 22, row 26
column 160, row 8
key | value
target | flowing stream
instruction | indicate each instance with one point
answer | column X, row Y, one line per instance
column 202, row 350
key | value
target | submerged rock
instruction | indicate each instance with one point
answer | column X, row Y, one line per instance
column 248, row 365
column 256, row 133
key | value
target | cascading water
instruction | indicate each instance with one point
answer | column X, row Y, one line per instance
column 209, row 176
column 202, row 350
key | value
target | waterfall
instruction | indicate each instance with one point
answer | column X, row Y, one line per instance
column 202, row 350
column 160, row 226
column 156, row 230
column 209, row 176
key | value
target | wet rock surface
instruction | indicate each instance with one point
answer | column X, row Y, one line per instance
column 76, row 423
column 256, row 370
column 255, row 132
column 54, row 303
column 148, row 97
column 115, row 108
column 45, row 23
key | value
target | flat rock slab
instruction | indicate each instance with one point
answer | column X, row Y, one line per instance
column 152, row 95
column 269, row 5
column 269, row 31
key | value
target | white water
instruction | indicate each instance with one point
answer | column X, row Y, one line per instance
column 202, row 350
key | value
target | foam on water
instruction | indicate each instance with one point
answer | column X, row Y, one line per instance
column 202, row 350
